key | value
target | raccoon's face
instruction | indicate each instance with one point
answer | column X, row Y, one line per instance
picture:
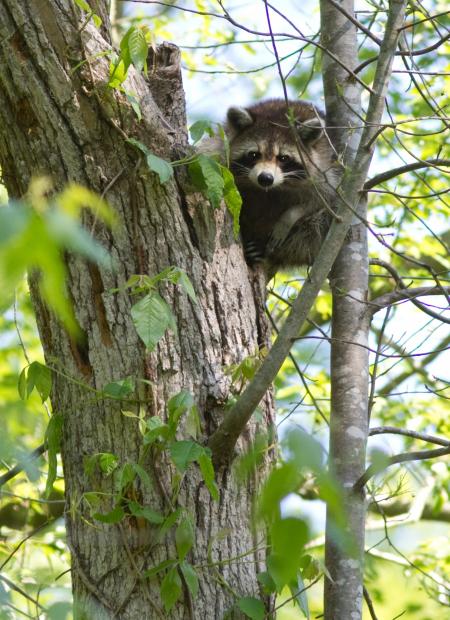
column 266, row 165
column 264, row 150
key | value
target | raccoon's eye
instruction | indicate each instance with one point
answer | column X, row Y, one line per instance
column 284, row 159
column 253, row 155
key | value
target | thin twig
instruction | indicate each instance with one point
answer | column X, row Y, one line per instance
column 421, row 455
column 22, row 464
column 390, row 174
column 381, row 430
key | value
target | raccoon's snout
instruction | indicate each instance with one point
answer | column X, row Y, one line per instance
column 265, row 179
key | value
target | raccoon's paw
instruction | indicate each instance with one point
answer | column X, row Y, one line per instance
column 253, row 253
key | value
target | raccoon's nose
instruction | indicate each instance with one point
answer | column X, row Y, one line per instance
column 265, row 179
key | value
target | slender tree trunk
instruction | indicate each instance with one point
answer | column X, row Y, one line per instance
column 64, row 122
column 349, row 280
column 349, row 363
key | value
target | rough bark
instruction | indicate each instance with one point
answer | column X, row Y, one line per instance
column 68, row 125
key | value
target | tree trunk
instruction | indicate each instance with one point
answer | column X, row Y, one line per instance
column 349, row 363
column 64, row 121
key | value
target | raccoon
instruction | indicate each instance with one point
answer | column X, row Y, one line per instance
column 287, row 181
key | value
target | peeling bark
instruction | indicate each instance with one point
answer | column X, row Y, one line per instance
column 64, row 122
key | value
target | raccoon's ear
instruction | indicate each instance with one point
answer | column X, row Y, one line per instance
column 239, row 118
column 310, row 130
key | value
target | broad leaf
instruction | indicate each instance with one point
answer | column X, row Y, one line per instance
column 146, row 513
column 206, row 175
column 190, row 577
column 113, row 516
column 185, row 452
column 162, row 167
column 138, row 48
column 171, row 589
column 207, row 469
column 232, row 198
column 184, row 538
column 119, row 389
column 198, row 129
column 252, row 607
column 152, row 316
column 151, row 572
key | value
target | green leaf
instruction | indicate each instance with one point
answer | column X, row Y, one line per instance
column 190, row 577
column 22, row 384
column 60, row 611
column 74, row 198
column 146, row 513
column 206, row 175
column 310, row 567
column 68, row 233
column 267, row 582
column 171, row 589
column 119, row 389
column 207, row 469
column 143, row 475
column 199, row 128
column 127, row 475
column 182, row 279
column 156, row 429
column 232, row 198
column 152, row 316
column 184, row 538
column 151, row 572
column 169, row 522
column 298, row 593
column 303, row 450
column 162, row 167
column 252, row 607
column 177, row 405
column 85, row 7
column 134, row 102
column 185, row 452
column 53, row 441
column 107, row 462
column 280, row 482
column 138, row 48
column 192, row 426
column 113, row 516
column 39, row 377
column 288, row 537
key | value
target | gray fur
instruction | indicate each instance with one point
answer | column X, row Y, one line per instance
column 239, row 118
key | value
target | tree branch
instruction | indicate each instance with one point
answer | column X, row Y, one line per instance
column 22, row 465
column 407, row 293
column 381, row 430
column 390, row 174
column 421, row 455
column 410, row 294
column 420, row 52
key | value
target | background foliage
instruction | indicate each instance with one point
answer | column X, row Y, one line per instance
column 409, row 231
